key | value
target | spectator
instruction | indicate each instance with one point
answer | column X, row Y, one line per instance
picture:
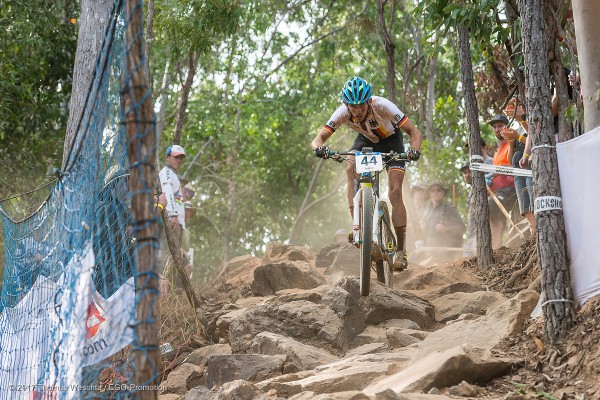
column 470, row 247
column 441, row 223
column 485, row 152
column 502, row 187
column 171, row 187
column 523, row 184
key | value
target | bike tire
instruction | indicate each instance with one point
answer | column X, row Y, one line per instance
column 366, row 238
column 388, row 244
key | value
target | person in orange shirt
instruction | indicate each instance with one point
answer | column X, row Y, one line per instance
column 502, row 186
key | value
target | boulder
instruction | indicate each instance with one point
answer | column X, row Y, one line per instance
column 273, row 277
column 455, row 287
column 249, row 367
column 298, row 356
column 310, row 323
column 398, row 338
column 506, row 320
column 237, row 390
column 451, row 306
column 344, row 377
column 182, row 379
column 371, row 334
column 350, row 395
column 223, row 322
column 277, row 251
column 198, row 357
column 201, row 393
column 384, row 303
column 400, row 323
column 443, row 369
column 345, row 263
column 368, row 348
column 326, row 256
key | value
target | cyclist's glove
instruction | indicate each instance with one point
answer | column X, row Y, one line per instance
column 322, row 152
column 413, row 154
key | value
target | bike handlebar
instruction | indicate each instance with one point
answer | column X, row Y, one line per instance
column 386, row 156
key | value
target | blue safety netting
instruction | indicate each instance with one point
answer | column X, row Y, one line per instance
column 68, row 326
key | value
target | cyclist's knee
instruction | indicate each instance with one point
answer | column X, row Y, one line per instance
column 396, row 193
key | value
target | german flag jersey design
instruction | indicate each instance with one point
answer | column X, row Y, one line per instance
column 382, row 118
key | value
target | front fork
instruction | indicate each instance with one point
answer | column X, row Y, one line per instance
column 356, row 218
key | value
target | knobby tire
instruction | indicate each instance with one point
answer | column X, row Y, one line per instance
column 366, row 233
column 386, row 236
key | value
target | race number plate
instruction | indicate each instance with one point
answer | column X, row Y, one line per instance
column 370, row 162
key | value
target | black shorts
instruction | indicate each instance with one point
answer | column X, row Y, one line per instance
column 393, row 142
column 507, row 197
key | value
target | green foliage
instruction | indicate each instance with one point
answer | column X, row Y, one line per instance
column 37, row 50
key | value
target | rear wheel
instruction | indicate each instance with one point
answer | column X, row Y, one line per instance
column 388, row 245
column 366, row 239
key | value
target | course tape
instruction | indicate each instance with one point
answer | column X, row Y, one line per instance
column 501, row 169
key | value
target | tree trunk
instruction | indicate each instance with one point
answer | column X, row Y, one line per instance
column 565, row 129
column 162, row 108
column 586, row 14
column 141, row 151
column 94, row 18
column 551, row 237
column 149, row 38
column 485, row 256
column 430, row 99
column 185, row 97
column 389, row 46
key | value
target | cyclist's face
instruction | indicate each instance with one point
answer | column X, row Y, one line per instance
column 358, row 111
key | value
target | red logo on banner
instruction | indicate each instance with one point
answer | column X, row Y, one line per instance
column 93, row 321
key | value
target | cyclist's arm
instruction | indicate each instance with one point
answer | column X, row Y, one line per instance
column 416, row 137
column 321, row 138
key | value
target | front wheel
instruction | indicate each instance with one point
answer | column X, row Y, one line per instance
column 366, row 239
column 388, row 245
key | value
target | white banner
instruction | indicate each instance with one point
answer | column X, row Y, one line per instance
column 57, row 328
column 500, row 169
column 578, row 162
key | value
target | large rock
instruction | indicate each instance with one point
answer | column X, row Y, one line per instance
column 271, row 278
column 455, row 287
column 453, row 305
column 199, row 356
column 310, row 323
column 326, row 256
column 384, row 303
column 182, row 379
column 237, row 390
column 339, row 378
column 249, row 367
column 323, row 317
column 429, row 279
column 277, row 251
column 506, row 320
column 442, row 369
column 345, row 262
column 398, row 338
column 349, row 395
column 223, row 322
column 371, row 334
column 298, row 356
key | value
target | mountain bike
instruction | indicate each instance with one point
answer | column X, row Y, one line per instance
column 372, row 232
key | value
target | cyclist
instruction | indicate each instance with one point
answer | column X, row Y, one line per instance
column 379, row 124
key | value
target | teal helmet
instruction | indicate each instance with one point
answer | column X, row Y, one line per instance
column 356, row 91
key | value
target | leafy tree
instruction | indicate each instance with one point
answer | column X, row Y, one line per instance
column 37, row 50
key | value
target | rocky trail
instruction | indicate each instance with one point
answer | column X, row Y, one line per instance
column 292, row 325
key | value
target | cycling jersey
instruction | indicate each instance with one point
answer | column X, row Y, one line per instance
column 172, row 189
column 382, row 119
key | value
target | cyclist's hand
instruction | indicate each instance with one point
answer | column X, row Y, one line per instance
column 322, row 152
column 413, row 154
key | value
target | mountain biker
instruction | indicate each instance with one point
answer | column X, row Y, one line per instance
column 379, row 124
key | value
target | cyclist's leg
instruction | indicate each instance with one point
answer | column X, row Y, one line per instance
column 395, row 180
